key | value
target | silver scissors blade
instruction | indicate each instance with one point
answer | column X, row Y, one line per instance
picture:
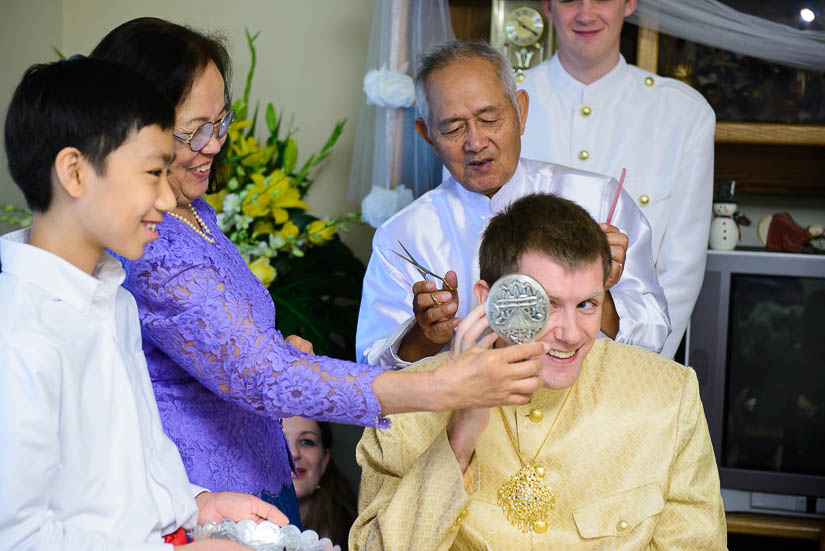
column 421, row 269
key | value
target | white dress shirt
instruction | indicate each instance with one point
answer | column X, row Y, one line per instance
column 84, row 461
column 442, row 229
column 661, row 131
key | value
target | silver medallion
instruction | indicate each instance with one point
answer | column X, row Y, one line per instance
column 517, row 308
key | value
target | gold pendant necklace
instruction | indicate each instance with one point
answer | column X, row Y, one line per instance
column 524, row 499
column 202, row 232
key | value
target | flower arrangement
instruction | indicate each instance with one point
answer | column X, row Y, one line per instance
column 314, row 279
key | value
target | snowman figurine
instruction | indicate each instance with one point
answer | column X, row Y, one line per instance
column 724, row 232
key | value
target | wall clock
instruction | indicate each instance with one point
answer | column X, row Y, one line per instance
column 519, row 29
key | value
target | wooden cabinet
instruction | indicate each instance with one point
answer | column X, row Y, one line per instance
column 762, row 157
column 788, row 528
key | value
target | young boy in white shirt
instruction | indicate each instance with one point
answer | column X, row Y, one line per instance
column 84, row 462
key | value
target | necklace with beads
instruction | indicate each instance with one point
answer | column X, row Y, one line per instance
column 524, row 498
column 203, row 231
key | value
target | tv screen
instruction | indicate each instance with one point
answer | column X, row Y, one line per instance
column 775, row 392
column 757, row 343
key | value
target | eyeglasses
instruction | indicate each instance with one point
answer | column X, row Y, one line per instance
column 198, row 139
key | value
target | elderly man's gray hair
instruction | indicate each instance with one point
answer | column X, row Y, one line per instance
column 443, row 54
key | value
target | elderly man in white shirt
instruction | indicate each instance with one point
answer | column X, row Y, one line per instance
column 590, row 110
column 473, row 118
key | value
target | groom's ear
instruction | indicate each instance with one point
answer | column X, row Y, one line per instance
column 481, row 290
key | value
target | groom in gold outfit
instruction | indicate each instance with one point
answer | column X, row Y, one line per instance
column 612, row 452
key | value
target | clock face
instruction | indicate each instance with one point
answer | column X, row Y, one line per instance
column 524, row 26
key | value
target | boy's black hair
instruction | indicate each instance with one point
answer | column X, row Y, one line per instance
column 90, row 104
column 173, row 57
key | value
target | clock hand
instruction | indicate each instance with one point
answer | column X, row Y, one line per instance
column 526, row 28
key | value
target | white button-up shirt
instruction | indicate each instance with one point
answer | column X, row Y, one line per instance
column 661, row 131
column 84, row 461
column 442, row 229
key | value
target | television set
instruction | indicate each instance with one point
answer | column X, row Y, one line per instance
column 757, row 342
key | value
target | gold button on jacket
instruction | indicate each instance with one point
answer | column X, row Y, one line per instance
column 536, row 415
column 583, row 155
column 644, row 199
column 649, row 81
column 585, row 111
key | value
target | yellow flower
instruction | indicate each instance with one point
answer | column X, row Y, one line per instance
column 320, row 232
column 260, row 156
column 288, row 230
column 263, row 226
column 235, row 128
column 272, row 194
column 216, row 200
column 263, row 270
column 256, row 202
column 245, row 146
column 284, row 197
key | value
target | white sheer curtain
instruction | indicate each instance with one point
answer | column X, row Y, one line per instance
column 713, row 23
column 388, row 153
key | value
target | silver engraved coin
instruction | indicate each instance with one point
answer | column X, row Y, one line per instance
column 517, row 308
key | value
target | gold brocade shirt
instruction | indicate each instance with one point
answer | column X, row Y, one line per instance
column 630, row 462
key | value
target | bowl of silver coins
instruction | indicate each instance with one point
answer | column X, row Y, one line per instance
column 264, row 536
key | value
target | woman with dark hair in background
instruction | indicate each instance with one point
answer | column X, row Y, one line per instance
column 222, row 373
column 326, row 499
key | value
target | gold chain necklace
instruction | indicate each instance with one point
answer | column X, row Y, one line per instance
column 203, row 233
column 524, row 498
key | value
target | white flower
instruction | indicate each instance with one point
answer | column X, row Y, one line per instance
column 261, row 248
column 381, row 203
column 386, row 88
column 224, row 222
column 232, row 203
column 242, row 221
column 276, row 242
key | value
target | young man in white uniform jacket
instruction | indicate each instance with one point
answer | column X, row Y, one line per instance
column 590, row 110
column 475, row 129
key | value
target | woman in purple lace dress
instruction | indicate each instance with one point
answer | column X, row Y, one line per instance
column 222, row 374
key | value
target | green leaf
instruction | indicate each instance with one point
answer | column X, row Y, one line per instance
column 251, row 128
column 58, row 52
column 290, row 155
column 250, row 39
column 270, row 118
column 240, row 108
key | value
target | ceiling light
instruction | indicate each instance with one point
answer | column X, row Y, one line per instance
column 807, row 15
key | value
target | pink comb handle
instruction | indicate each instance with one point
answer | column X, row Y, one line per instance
column 616, row 197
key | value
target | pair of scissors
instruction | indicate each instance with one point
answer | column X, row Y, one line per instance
column 421, row 269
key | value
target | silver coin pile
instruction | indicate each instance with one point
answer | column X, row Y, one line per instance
column 517, row 308
column 264, row 536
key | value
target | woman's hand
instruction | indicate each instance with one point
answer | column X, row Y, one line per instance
column 216, row 506
column 301, row 344
column 474, row 376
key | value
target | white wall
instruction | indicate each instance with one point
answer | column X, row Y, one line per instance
column 311, row 61
column 27, row 31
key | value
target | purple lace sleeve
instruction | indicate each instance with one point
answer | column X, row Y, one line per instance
column 201, row 305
